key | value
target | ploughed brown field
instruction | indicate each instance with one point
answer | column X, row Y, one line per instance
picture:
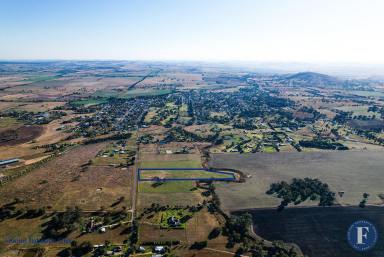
column 20, row 135
column 320, row 232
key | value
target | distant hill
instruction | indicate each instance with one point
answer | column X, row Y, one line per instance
column 312, row 79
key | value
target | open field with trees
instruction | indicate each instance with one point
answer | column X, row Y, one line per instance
column 193, row 230
column 77, row 133
column 349, row 174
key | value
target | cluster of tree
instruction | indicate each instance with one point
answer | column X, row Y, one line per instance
column 214, row 203
column 236, row 228
column 248, row 124
column 146, row 139
column 134, row 236
column 57, row 147
column 315, row 114
column 277, row 250
column 342, row 117
column 364, row 201
column 378, row 109
column 76, row 250
column 81, row 109
column 63, row 223
column 364, row 117
column 115, row 216
column 199, row 245
column 31, row 213
column 300, row 190
column 38, row 118
column 155, row 207
column 323, row 144
column 178, row 134
column 10, row 211
column 214, row 233
column 118, row 136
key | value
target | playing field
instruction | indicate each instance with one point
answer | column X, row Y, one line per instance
column 168, row 192
column 183, row 174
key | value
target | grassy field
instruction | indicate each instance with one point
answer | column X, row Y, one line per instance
column 168, row 187
column 180, row 174
column 89, row 102
column 320, row 232
column 151, row 114
column 367, row 93
column 39, row 78
column 169, row 192
column 356, row 110
column 132, row 93
column 353, row 172
column 9, row 123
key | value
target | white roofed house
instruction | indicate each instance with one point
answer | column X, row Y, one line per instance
column 159, row 249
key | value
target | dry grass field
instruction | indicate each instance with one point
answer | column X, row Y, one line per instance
column 170, row 160
column 30, row 106
column 28, row 229
column 66, row 181
column 351, row 172
column 23, row 151
column 98, row 187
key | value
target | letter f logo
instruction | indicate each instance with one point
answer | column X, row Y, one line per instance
column 362, row 233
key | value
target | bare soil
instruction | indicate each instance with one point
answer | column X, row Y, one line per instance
column 20, row 135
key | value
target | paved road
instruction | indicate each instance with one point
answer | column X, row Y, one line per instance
column 134, row 185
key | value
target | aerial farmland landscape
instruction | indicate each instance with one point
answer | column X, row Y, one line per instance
column 191, row 129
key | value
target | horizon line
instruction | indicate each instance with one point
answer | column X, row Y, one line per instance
column 228, row 61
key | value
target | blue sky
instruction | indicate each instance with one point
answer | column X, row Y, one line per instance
column 217, row 30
